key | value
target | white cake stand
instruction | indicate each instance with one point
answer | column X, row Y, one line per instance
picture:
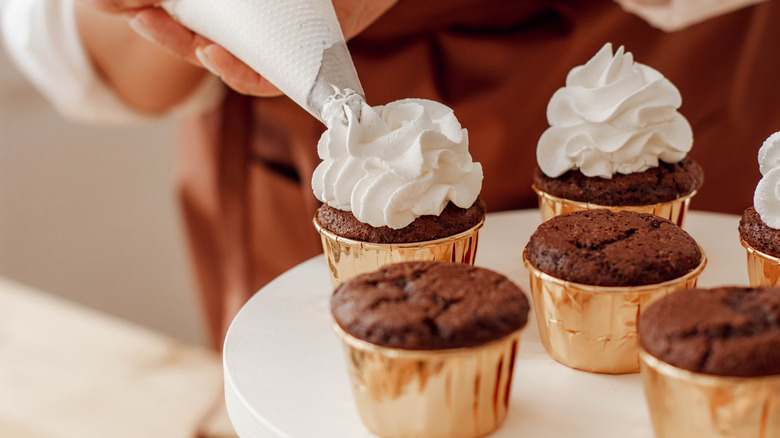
column 285, row 374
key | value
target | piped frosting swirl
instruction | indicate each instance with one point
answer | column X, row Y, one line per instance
column 766, row 199
column 391, row 164
column 613, row 116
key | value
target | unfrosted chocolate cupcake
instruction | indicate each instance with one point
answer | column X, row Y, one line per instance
column 451, row 221
column 592, row 272
column 429, row 306
column 727, row 331
column 426, row 342
column 606, row 248
column 711, row 362
column 656, row 185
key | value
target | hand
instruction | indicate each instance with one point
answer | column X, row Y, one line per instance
column 155, row 24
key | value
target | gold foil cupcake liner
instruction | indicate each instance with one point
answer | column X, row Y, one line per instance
column 763, row 269
column 683, row 403
column 552, row 206
column 593, row 328
column 348, row 257
column 450, row 393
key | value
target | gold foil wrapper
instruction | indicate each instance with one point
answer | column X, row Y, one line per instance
column 763, row 269
column 687, row 404
column 347, row 257
column 451, row 393
column 552, row 206
column 593, row 328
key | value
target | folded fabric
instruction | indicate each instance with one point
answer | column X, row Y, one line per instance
column 672, row 15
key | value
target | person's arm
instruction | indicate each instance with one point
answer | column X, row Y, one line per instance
column 117, row 51
column 142, row 73
column 90, row 58
column 43, row 40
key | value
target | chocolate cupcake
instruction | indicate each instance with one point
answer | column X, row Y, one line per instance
column 452, row 220
column 759, row 228
column 352, row 247
column 658, row 185
column 762, row 244
column 616, row 141
column 758, row 234
column 430, row 347
column 397, row 183
column 592, row 273
column 711, row 362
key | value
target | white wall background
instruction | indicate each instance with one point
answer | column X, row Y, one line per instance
column 88, row 213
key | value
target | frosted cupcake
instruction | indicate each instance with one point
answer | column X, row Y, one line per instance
column 397, row 184
column 617, row 141
column 759, row 228
column 711, row 363
column 430, row 347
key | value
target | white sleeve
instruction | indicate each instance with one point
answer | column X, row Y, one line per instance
column 672, row 15
column 42, row 39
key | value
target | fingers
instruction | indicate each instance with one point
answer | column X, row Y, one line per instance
column 234, row 72
column 157, row 26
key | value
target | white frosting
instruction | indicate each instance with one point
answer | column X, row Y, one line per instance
column 395, row 162
column 766, row 198
column 613, row 116
column 769, row 154
column 296, row 44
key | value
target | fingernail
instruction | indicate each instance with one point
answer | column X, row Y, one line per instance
column 200, row 53
column 141, row 29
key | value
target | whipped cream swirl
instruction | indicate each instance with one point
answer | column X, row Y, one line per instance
column 766, row 199
column 390, row 164
column 613, row 116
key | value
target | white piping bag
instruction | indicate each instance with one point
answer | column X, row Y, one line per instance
column 296, row 44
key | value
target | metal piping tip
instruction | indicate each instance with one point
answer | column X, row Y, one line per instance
column 336, row 82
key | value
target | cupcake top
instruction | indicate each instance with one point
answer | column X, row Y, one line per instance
column 758, row 234
column 728, row 331
column 391, row 164
column 451, row 221
column 605, row 248
column 613, row 116
column 663, row 183
column 429, row 306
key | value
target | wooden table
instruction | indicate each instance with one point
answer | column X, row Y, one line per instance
column 70, row 372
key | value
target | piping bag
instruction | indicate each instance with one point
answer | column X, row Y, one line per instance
column 297, row 45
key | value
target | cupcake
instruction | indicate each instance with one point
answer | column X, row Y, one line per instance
column 711, row 363
column 617, row 141
column 594, row 271
column 397, row 184
column 430, row 347
column 759, row 228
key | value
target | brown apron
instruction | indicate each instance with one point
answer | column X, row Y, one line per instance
column 244, row 170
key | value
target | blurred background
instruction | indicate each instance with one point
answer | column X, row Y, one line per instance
column 88, row 213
